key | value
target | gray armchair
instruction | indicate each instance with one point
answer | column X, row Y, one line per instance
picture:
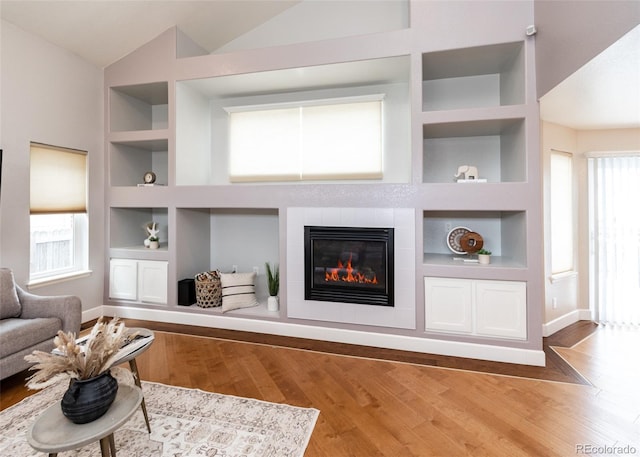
column 29, row 322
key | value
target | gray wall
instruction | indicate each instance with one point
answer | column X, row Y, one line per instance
column 570, row 33
column 50, row 96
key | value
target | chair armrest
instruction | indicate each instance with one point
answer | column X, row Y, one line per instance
column 67, row 308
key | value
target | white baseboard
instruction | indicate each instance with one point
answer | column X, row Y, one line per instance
column 92, row 313
column 561, row 322
column 389, row 341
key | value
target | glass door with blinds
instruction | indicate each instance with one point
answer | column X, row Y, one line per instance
column 614, row 183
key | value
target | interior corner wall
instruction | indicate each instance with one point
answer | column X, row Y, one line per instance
column 570, row 33
column 565, row 291
column 609, row 140
column 50, row 96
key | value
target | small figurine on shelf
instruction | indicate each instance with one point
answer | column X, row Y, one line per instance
column 468, row 173
column 152, row 240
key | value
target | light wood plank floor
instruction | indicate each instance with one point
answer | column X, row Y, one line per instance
column 371, row 407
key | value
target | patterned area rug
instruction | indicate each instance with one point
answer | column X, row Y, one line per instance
column 184, row 423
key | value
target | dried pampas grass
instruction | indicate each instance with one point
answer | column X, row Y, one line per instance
column 77, row 361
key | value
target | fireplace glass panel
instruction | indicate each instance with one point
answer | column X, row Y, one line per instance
column 349, row 264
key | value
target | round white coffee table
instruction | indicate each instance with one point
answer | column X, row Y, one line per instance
column 53, row 433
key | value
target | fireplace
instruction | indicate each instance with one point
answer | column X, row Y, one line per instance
column 349, row 264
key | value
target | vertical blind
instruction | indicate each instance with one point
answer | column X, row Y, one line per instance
column 58, row 180
column 615, row 189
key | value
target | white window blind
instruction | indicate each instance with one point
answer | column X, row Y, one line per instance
column 334, row 139
column 561, row 191
column 264, row 145
column 58, row 180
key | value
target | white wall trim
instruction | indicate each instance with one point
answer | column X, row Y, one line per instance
column 51, row 280
column 559, row 277
column 389, row 341
column 93, row 313
column 561, row 322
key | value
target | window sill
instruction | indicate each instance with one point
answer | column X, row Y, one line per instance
column 50, row 280
column 559, row 277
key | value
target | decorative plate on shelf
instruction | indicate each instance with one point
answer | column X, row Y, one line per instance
column 453, row 239
column 471, row 242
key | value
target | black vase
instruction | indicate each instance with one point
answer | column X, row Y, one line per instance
column 87, row 399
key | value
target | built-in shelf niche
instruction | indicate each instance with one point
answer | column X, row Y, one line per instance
column 224, row 238
column 479, row 77
column 130, row 160
column 193, row 241
column 202, row 122
column 496, row 147
column 139, row 107
column 503, row 233
column 127, row 232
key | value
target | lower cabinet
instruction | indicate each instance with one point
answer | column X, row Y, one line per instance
column 476, row 307
column 138, row 280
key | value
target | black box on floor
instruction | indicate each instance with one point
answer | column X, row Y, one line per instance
column 186, row 292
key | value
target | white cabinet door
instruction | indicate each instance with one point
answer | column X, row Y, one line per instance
column 476, row 307
column 501, row 309
column 123, row 279
column 152, row 281
column 448, row 304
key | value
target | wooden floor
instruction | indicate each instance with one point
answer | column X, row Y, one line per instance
column 375, row 407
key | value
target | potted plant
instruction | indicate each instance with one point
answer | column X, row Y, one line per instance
column 154, row 243
column 484, row 256
column 273, row 282
column 87, row 364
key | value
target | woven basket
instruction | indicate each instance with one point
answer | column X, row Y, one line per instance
column 208, row 289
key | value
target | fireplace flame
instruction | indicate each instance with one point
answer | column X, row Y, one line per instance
column 347, row 274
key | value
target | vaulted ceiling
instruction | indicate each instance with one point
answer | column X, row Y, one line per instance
column 103, row 31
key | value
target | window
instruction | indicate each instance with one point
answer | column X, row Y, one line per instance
column 328, row 139
column 59, row 225
column 561, row 192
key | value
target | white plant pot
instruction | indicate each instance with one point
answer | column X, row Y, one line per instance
column 272, row 303
column 484, row 259
column 154, row 244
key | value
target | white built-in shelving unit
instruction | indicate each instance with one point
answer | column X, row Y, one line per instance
column 460, row 104
column 474, row 113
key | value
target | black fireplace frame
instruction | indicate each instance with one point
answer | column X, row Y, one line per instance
column 355, row 294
